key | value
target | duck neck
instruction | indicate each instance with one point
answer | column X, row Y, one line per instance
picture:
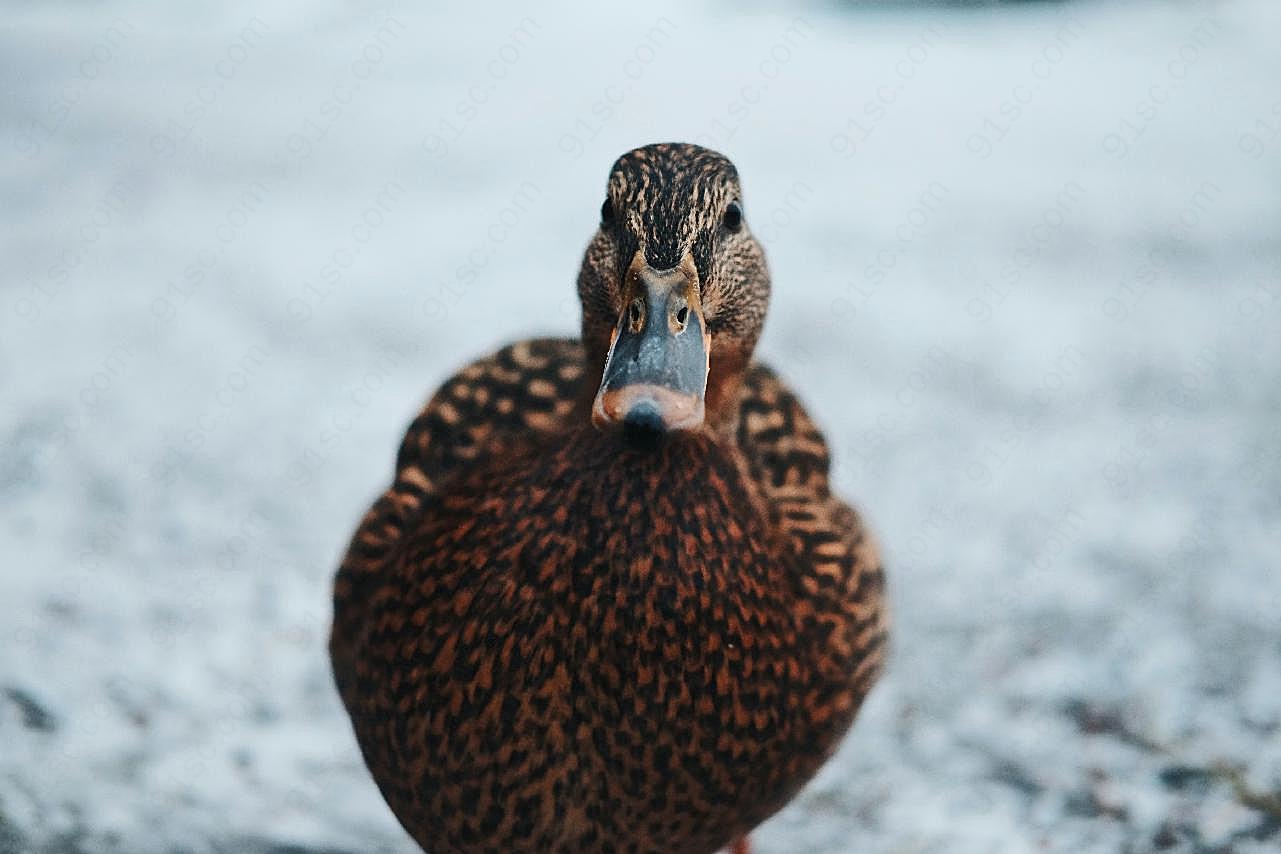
column 728, row 366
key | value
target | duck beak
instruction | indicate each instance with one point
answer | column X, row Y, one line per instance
column 656, row 373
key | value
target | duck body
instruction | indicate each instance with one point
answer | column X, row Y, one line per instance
column 553, row 638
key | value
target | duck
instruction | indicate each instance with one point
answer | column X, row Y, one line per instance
column 609, row 602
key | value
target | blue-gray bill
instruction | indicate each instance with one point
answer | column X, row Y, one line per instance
column 655, row 375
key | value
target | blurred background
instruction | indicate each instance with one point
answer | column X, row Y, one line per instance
column 1027, row 276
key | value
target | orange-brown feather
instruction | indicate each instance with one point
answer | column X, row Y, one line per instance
column 550, row 642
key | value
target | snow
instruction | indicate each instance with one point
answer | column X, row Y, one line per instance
column 1027, row 265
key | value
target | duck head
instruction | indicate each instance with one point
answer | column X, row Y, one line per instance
column 674, row 289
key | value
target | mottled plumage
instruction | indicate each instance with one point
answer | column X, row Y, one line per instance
column 550, row 638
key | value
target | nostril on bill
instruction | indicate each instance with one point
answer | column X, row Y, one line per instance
column 636, row 314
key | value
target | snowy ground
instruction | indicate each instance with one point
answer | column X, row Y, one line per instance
column 1028, row 276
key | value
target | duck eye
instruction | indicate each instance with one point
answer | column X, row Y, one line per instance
column 607, row 212
column 733, row 216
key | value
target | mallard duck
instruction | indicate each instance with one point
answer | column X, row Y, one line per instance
column 609, row 602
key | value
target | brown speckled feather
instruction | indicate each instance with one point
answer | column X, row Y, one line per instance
column 522, row 678
column 556, row 632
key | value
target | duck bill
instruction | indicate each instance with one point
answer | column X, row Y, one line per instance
column 655, row 376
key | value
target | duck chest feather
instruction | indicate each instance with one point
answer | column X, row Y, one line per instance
column 598, row 630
